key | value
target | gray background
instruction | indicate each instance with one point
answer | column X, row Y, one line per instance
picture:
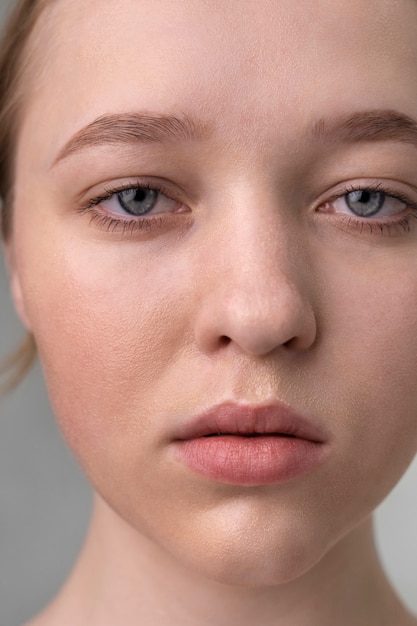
column 45, row 501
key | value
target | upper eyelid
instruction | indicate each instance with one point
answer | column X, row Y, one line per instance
column 387, row 186
column 109, row 192
column 386, row 192
column 178, row 190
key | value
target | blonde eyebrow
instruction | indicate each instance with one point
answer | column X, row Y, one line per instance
column 367, row 126
column 132, row 128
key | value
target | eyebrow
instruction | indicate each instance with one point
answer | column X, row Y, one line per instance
column 132, row 128
column 361, row 126
column 367, row 126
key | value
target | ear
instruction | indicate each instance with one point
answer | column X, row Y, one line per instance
column 16, row 286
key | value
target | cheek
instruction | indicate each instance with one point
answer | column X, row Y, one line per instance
column 372, row 363
column 109, row 328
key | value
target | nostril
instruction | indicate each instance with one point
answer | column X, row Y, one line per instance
column 256, row 325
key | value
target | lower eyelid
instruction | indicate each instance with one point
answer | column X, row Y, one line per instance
column 399, row 226
column 146, row 226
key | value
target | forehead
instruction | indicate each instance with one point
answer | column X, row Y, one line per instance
column 232, row 62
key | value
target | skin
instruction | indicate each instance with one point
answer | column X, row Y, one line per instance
column 253, row 293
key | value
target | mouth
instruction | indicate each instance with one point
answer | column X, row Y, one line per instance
column 249, row 435
column 250, row 445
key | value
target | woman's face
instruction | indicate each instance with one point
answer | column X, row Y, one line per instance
column 260, row 274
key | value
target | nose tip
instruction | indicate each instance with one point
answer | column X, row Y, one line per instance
column 255, row 324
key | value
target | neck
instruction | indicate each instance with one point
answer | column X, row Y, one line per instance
column 123, row 578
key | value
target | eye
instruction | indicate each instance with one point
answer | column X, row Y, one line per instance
column 367, row 203
column 138, row 202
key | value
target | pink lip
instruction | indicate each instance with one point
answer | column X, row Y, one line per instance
column 250, row 445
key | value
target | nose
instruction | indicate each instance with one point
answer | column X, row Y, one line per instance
column 258, row 291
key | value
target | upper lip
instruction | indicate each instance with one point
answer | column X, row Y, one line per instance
column 230, row 418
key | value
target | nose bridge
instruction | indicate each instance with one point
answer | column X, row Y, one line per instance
column 258, row 287
column 259, row 244
column 258, row 251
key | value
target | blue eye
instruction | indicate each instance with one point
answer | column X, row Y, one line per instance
column 137, row 201
column 365, row 202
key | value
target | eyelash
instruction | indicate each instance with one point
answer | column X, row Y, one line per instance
column 127, row 225
column 148, row 223
column 381, row 227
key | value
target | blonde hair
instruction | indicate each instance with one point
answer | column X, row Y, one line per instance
column 13, row 61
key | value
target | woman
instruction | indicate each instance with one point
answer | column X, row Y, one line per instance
column 209, row 221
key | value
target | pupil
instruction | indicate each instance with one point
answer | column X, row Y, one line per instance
column 365, row 202
column 137, row 201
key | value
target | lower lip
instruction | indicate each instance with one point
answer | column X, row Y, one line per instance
column 250, row 461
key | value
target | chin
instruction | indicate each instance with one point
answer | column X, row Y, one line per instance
column 253, row 553
column 254, row 566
